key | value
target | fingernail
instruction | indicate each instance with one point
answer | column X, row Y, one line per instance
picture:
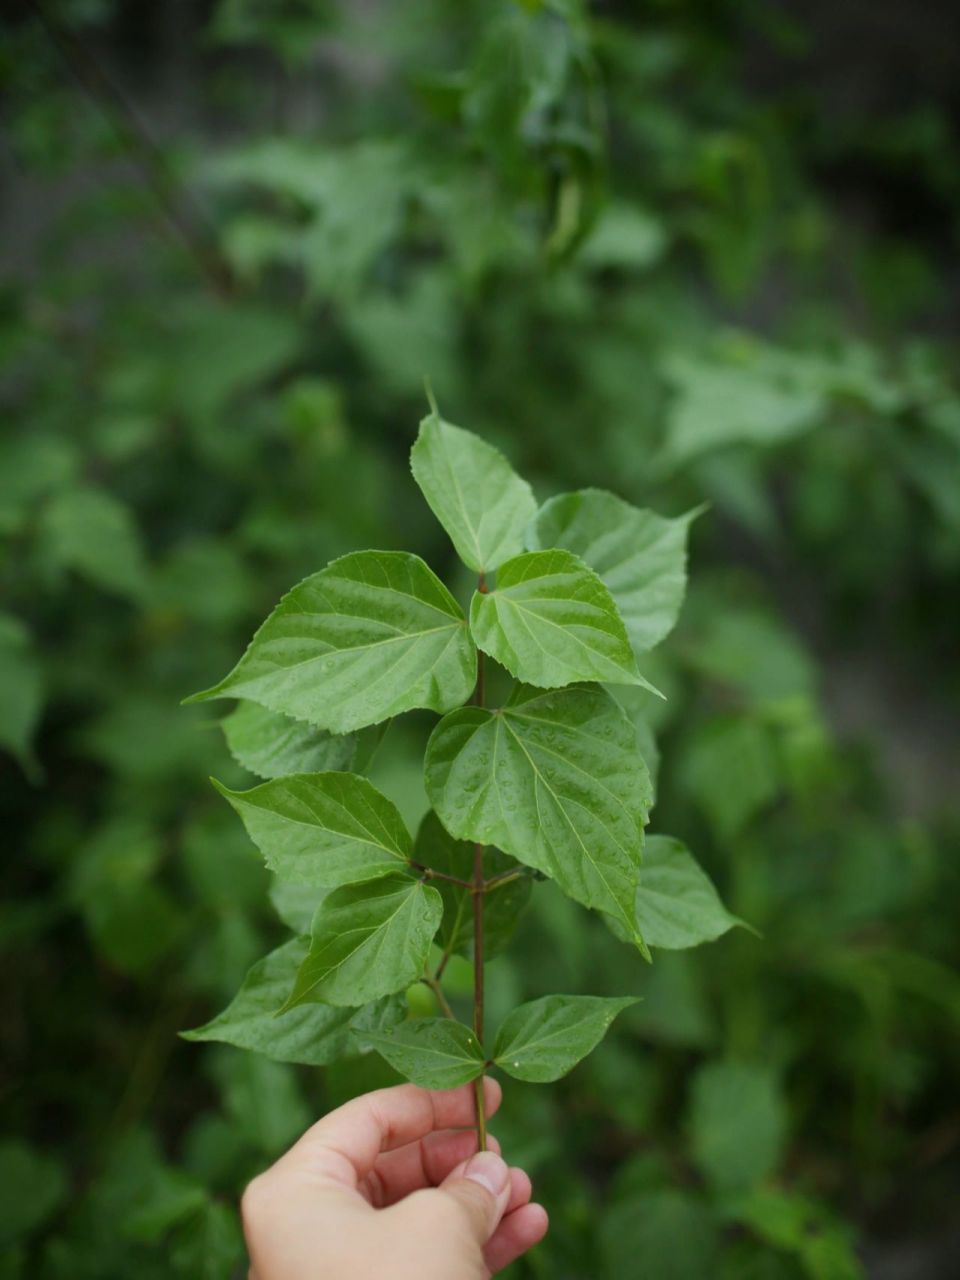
column 489, row 1170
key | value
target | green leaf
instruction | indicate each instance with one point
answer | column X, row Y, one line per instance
column 626, row 237
column 373, row 634
column 312, row 1034
column 676, row 1009
column 296, row 903
column 33, row 463
column 134, row 926
column 348, row 202
column 215, row 861
column 367, row 743
column 503, row 904
column 262, row 1099
column 636, row 704
column 33, row 1187
column 722, row 404
column 474, row 493
column 803, row 1227
column 677, row 905
column 435, row 1053
column 737, row 1124
column 91, row 532
column 203, row 579
column 21, row 694
column 551, row 622
column 555, row 780
column 143, row 735
column 132, row 918
column 666, row 1234
column 272, row 745
column 401, row 333
column 753, row 652
column 325, row 829
column 543, row 1040
column 641, row 557
column 368, row 940
column 222, row 349
column 170, row 1197
column 731, row 769
column 210, row 1245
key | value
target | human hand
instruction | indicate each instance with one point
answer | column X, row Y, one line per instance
column 392, row 1186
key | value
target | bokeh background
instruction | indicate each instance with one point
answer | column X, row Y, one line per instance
column 696, row 251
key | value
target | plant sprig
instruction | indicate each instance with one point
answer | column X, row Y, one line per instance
column 550, row 784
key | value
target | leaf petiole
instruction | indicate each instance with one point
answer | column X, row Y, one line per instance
column 505, row 877
column 428, row 873
column 433, row 982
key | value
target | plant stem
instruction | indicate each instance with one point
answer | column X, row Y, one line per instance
column 434, row 985
column 478, row 893
column 481, row 1113
column 478, row 896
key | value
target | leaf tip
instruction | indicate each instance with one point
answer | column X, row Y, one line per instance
column 207, row 695
column 431, row 398
column 639, row 681
column 750, row 928
column 221, row 788
column 696, row 512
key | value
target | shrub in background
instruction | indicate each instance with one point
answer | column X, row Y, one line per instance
column 573, row 223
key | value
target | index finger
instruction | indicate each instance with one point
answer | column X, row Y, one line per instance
column 345, row 1144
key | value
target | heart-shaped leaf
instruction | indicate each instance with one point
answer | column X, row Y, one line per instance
column 555, row 780
column 543, row 1040
column 636, row 705
column 641, row 556
column 474, row 493
column 296, row 903
column 368, row 940
column 373, row 634
column 737, row 1124
column 312, row 1034
column 435, row 1053
column 272, row 745
column 677, row 905
column 326, row 829
column 666, row 1233
column 551, row 622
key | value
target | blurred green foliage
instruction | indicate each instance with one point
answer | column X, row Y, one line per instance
column 617, row 241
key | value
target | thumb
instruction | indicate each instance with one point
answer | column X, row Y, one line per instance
column 480, row 1189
